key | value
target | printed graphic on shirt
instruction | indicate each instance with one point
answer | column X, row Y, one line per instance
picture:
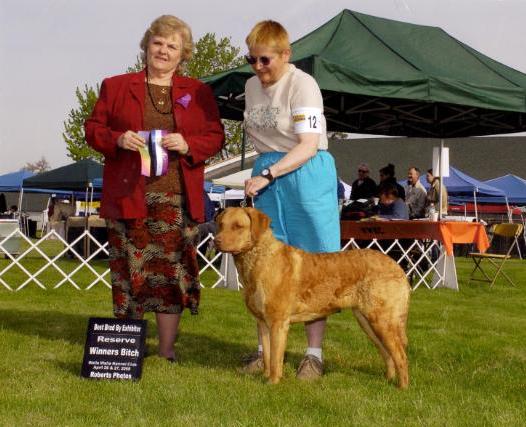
column 307, row 120
column 262, row 117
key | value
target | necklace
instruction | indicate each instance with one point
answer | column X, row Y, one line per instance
column 160, row 102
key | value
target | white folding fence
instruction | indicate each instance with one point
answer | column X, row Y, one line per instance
column 422, row 267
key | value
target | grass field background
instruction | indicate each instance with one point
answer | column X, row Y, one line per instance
column 467, row 354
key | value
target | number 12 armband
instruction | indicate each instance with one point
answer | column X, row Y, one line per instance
column 307, row 120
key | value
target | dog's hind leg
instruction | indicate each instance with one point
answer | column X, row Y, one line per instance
column 393, row 338
column 390, row 371
column 278, row 341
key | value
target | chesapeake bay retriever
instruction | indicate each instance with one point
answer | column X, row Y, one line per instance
column 284, row 285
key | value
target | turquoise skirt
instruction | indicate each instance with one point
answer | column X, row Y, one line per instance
column 302, row 204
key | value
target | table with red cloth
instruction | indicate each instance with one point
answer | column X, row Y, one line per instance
column 423, row 236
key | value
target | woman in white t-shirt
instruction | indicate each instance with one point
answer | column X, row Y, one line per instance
column 294, row 178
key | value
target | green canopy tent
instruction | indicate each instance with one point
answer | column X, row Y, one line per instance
column 380, row 76
column 385, row 77
column 77, row 177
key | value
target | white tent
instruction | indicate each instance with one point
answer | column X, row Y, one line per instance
column 235, row 180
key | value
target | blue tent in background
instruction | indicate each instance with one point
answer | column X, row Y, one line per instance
column 97, row 183
column 513, row 185
column 462, row 185
column 211, row 188
column 462, row 188
column 13, row 181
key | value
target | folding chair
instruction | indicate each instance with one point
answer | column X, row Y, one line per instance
column 507, row 230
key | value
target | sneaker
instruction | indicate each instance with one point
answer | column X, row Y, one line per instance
column 252, row 363
column 311, row 368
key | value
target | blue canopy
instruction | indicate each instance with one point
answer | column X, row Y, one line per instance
column 13, row 181
column 211, row 188
column 513, row 185
column 460, row 184
column 97, row 182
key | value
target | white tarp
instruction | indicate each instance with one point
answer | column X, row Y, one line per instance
column 235, row 180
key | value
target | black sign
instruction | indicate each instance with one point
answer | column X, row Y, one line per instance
column 114, row 349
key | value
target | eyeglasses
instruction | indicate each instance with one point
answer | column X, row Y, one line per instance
column 264, row 60
column 362, row 171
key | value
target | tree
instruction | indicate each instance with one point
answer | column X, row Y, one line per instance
column 74, row 126
column 213, row 56
column 39, row 166
column 138, row 66
column 210, row 56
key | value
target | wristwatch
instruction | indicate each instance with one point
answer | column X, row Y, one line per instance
column 265, row 173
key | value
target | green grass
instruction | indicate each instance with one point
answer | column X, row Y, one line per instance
column 467, row 353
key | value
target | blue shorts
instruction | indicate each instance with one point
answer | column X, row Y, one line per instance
column 302, row 204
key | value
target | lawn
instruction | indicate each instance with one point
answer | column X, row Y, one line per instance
column 467, row 358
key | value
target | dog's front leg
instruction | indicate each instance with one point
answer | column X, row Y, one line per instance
column 278, row 341
column 264, row 334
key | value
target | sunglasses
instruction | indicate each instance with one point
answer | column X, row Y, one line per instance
column 264, row 60
column 363, row 171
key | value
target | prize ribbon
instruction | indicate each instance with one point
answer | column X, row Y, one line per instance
column 154, row 158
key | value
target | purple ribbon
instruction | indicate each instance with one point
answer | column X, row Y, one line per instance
column 184, row 100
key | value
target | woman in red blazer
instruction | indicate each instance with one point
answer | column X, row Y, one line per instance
column 152, row 220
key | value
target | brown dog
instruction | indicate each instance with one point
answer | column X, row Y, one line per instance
column 284, row 285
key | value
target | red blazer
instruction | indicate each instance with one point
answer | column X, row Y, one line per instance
column 120, row 107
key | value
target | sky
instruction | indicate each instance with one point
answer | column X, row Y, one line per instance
column 48, row 48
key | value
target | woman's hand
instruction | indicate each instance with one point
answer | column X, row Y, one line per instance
column 254, row 184
column 130, row 140
column 175, row 142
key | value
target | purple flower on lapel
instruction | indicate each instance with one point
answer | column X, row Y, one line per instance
column 184, row 100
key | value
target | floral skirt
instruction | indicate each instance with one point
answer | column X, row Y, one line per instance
column 153, row 261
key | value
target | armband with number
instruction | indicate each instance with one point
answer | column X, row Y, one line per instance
column 307, row 120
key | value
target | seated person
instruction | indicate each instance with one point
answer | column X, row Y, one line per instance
column 391, row 206
column 209, row 226
column 340, row 189
column 13, row 211
column 387, row 176
column 364, row 187
column 415, row 194
column 3, row 203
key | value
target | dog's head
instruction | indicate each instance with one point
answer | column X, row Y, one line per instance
column 239, row 229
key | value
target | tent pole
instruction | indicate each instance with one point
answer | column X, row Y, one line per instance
column 20, row 196
column 91, row 198
column 440, row 183
column 475, row 200
column 510, row 215
column 243, row 147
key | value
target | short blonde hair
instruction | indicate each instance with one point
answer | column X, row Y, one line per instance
column 166, row 26
column 270, row 34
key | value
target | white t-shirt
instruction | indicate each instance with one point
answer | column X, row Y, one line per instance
column 275, row 115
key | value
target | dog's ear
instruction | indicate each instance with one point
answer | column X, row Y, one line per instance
column 259, row 222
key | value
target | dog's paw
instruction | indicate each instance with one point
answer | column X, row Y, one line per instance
column 273, row 380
